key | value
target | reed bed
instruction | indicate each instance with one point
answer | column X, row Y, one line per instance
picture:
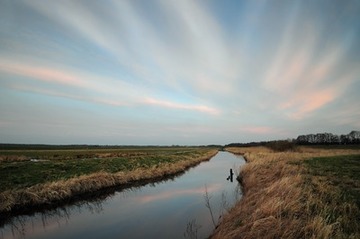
column 60, row 190
column 282, row 200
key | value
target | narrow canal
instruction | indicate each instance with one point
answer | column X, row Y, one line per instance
column 184, row 207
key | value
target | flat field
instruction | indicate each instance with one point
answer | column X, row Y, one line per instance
column 341, row 202
column 25, row 168
column 35, row 176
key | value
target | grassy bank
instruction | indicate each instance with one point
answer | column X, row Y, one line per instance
column 31, row 178
column 307, row 193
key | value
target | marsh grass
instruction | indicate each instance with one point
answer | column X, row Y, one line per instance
column 337, row 179
column 30, row 184
column 17, row 174
column 286, row 197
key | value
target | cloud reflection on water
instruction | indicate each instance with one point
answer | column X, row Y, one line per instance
column 176, row 193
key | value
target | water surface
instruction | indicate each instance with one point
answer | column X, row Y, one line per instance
column 169, row 209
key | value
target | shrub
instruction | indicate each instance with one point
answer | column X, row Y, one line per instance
column 281, row 145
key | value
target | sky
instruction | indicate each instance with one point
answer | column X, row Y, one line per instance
column 177, row 72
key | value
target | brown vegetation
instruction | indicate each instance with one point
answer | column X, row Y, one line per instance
column 52, row 192
column 281, row 145
column 281, row 200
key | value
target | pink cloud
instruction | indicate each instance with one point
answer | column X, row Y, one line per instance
column 49, row 92
column 258, row 129
column 99, row 89
column 41, row 73
column 309, row 99
column 304, row 103
column 303, row 85
column 314, row 102
column 79, row 79
column 173, row 105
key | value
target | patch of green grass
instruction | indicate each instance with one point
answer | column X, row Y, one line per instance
column 340, row 200
column 341, row 171
column 64, row 164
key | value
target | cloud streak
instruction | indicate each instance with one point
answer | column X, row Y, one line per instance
column 240, row 69
column 173, row 105
column 96, row 84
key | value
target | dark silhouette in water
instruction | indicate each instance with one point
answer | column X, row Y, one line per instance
column 230, row 176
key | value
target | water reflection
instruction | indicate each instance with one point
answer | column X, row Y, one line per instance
column 173, row 194
column 54, row 218
column 169, row 209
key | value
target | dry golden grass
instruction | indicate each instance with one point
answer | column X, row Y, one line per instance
column 53, row 192
column 4, row 158
column 278, row 201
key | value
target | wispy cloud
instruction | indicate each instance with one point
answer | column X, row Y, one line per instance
column 238, row 70
column 173, row 105
column 304, row 79
column 193, row 64
column 258, row 130
column 43, row 74
column 79, row 80
column 117, row 93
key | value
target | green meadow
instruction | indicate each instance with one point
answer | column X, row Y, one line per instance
column 28, row 167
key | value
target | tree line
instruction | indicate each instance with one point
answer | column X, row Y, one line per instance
column 310, row 139
column 327, row 138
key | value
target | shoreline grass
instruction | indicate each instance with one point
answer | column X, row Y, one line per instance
column 72, row 181
column 284, row 197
